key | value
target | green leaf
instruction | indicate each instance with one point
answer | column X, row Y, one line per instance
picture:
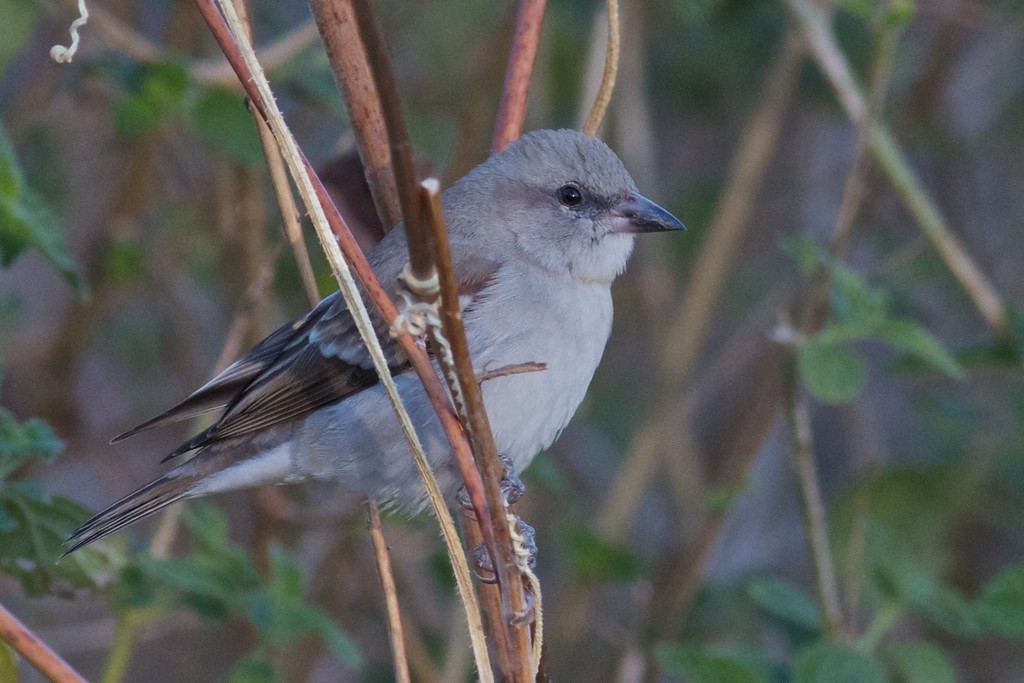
column 31, row 546
column 939, row 604
column 854, row 302
column 808, row 254
column 827, row 662
column 221, row 118
column 920, row 662
column 833, row 372
column 594, row 559
column 908, row 336
column 786, row 602
column 27, row 222
column 337, row 641
column 24, row 441
column 157, row 94
column 1001, row 603
column 253, row 670
column 701, row 667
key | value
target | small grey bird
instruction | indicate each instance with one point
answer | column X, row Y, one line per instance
column 538, row 232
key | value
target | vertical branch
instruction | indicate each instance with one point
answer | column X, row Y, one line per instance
column 512, row 110
column 799, row 420
column 336, row 21
column 387, row 584
column 28, row 645
column 478, row 427
column 611, row 70
column 405, row 176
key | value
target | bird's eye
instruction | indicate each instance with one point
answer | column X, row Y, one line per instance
column 570, row 195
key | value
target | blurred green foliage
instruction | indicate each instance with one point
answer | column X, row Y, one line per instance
column 27, row 222
column 828, row 364
column 34, row 524
column 219, row 580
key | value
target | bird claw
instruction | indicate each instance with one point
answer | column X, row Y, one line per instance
column 527, row 614
column 529, row 541
column 512, row 487
column 482, row 566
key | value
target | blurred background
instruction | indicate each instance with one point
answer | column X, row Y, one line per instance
column 805, row 317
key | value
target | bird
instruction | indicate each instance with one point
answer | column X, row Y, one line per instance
column 538, row 233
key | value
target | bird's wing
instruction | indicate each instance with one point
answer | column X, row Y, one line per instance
column 312, row 362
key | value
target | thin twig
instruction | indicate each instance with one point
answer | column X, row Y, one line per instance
column 340, row 33
column 813, row 507
column 26, row 643
column 289, row 211
column 611, row 70
column 514, row 94
column 479, row 431
column 387, row 584
column 815, row 24
column 514, row 369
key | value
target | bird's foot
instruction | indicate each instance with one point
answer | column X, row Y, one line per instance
column 525, row 539
column 512, row 487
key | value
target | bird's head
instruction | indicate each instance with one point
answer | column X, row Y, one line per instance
column 567, row 202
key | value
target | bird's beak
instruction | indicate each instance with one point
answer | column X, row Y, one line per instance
column 637, row 213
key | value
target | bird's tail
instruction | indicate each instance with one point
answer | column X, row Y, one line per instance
column 211, row 470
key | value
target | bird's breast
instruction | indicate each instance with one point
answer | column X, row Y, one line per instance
column 563, row 325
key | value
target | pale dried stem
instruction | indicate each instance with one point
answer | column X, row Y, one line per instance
column 387, row 584
column 611, row 70
column 339, row 30
column 815, row 24
column 289, row 211
column 515, row 92
column 26, row 643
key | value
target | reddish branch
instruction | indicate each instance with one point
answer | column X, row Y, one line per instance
column 406, row 178
column 478, row 428
column 512, row 111
column 337, row 24
column 29, row 646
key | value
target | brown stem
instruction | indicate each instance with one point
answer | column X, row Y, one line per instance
column 512, row 110
column 28, row 645
column 340, row 32
column 478, row 429
column 405, row 175
column 387, row 584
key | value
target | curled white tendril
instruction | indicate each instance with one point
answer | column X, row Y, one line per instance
column 523, row 564
column 63, row 55
column 418, row 317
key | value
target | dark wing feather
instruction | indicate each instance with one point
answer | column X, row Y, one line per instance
column 305, row 365
column 225, row 387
